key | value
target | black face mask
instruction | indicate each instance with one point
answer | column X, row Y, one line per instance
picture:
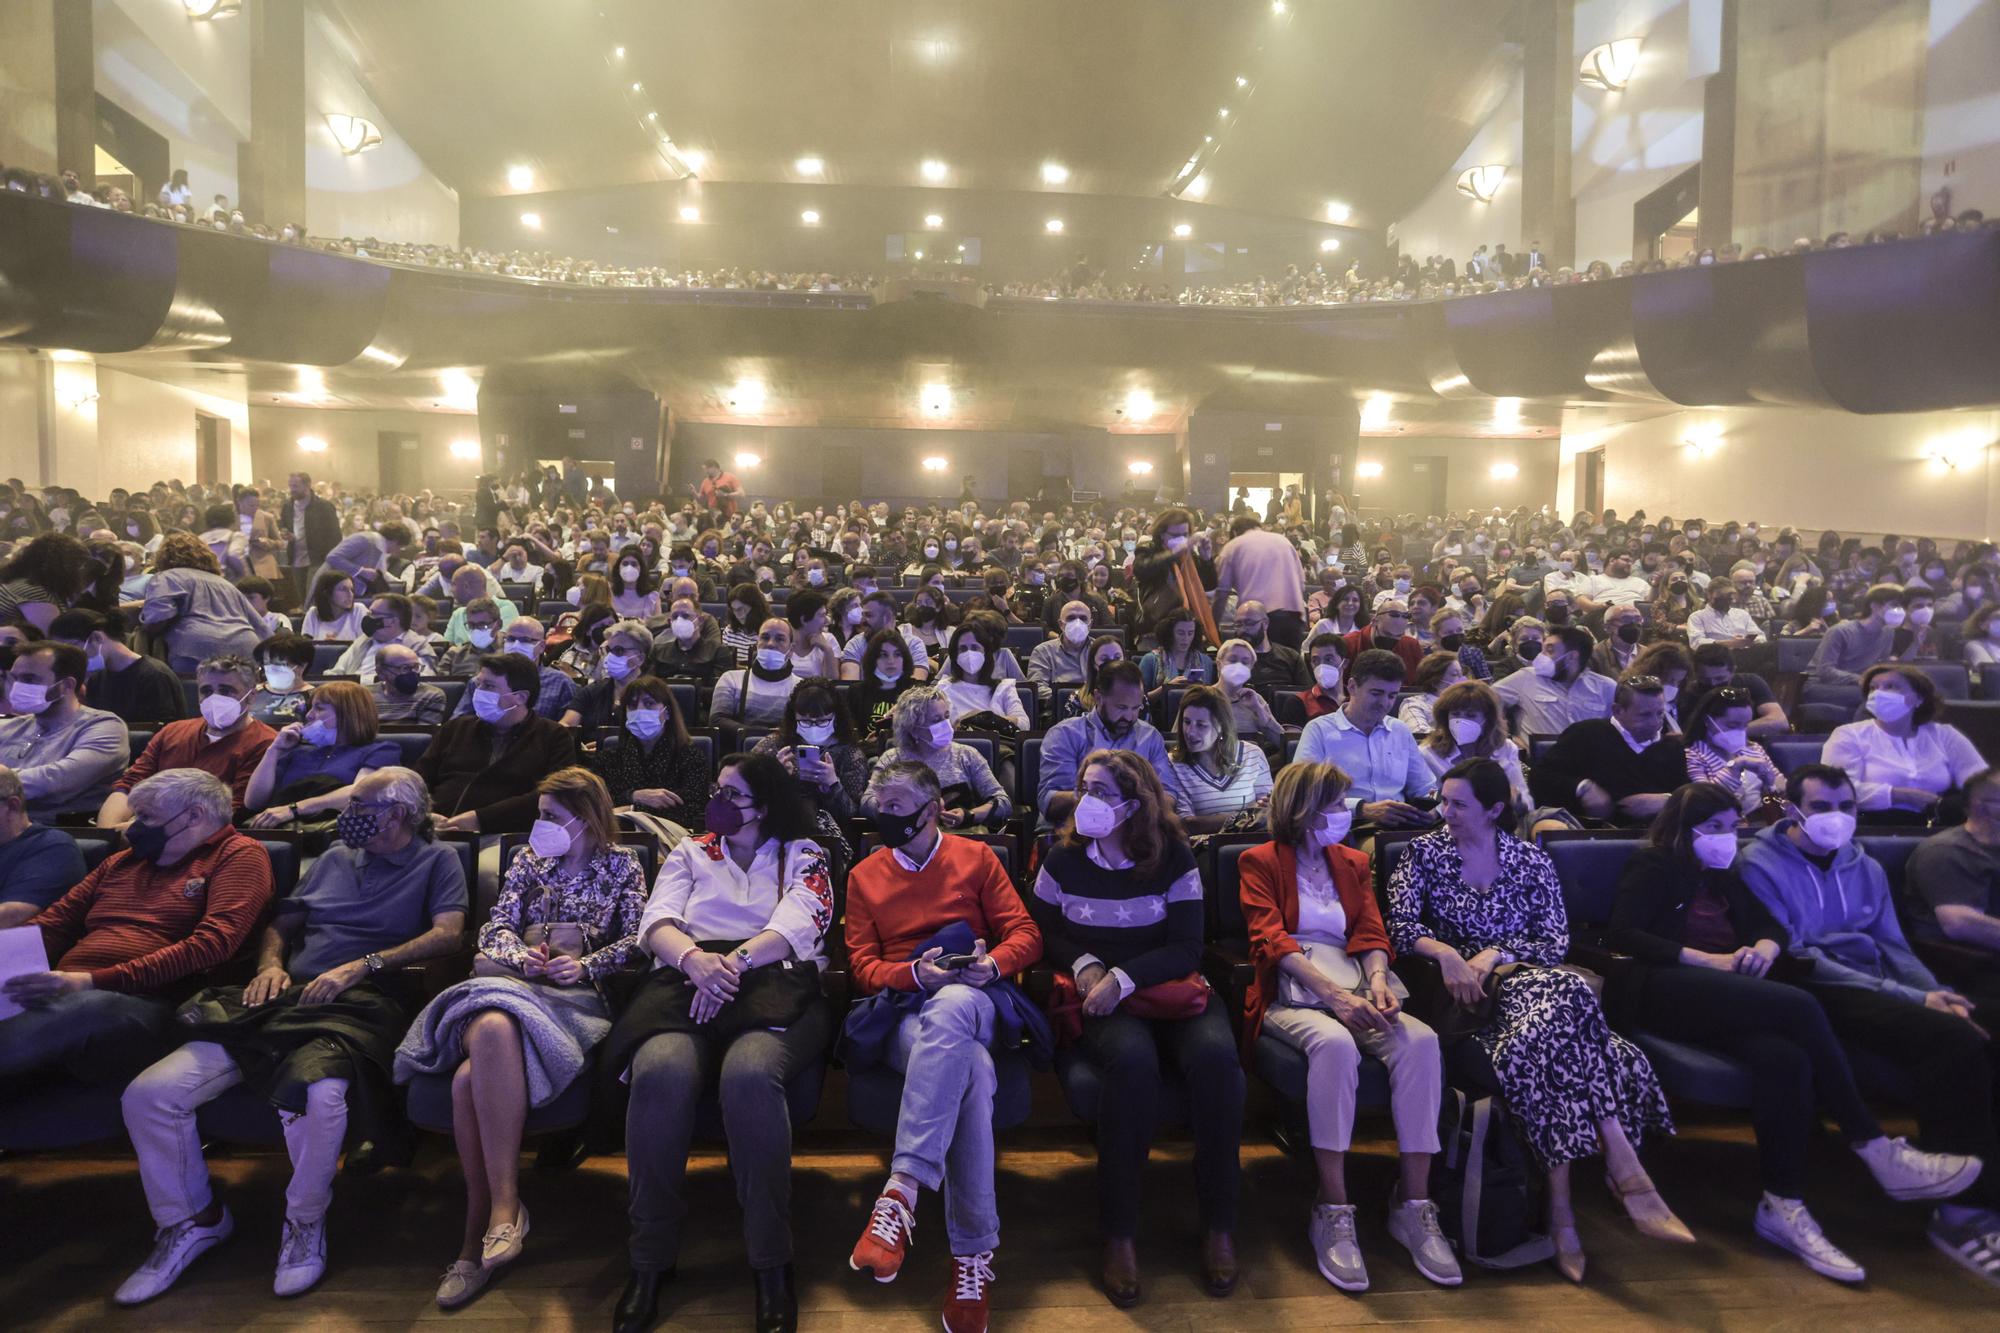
column 1388, row 641
column 1629, row 632
column 922, row 615
column 1451, row 643
column 405, row 682
column 1558, row 614
column 898, row 830
column 371, row 625
column 147, row 841
column 1530, row 649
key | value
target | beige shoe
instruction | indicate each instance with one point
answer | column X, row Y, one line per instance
column 502, row 1245
column 461, row 1282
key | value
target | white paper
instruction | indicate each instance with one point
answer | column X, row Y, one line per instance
column 21, row 953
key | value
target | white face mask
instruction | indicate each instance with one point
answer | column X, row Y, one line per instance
column 1076, row 631
column 941, row 734
column 1894, row 616
column 683, row 628
column 646, row 723
column 481, row 637
column 816, row 577
column 971, row 660
column 1730, row 740
column 930, row 551
column 1328, row 676
column 280, row 676
column 1334, row 825
column 1545, row 666
column 1176, row 544
column 1715, row 850
column 1889, row 705
column 1466, row 730
column 815, row 733
column 771, row 659
column 27, row 697
column 1831, row 829
column 619, row 665
column 221, row 711
column 1235, row 673
column 1922, row 615
column 1097, row 817
column 630, row 573
column 549, row 839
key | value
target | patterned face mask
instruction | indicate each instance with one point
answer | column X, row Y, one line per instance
column 357, row 826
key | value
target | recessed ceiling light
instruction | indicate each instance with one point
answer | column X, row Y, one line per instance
column 532, row 221
column 1338, row 212
column 920, row 254
column 936, row 463
column 1329, row 245
column 520, row 178
column 933, row 220
column 1183, row 230
column 1198, row 187
column 638, row 87
column 211, row 9
column 1053, row 226
column 961, row 249
column 1242, row 82
column 934, row 170
column 810, row 217
column 1278, row 6
column 936, row 399
column 747, row 459
column 652, row 115
column 809, row 166
column 1223, row 114
column 1054, row 173
column 1140, row 406
column 689, row 213
column 747, row 397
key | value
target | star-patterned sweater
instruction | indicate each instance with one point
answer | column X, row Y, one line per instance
column 1147, row 926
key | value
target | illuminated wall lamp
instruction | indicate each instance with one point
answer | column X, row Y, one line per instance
column 1704, row 444
column 1482, row 183
column 936, row 463
column 79, row 400
column 353, row 134
column 1504, row 471
column 465, row 449
column 1610, row 66
column 936, row 399
column 1952, row 454
column 311, row 444
column 204, row 10
column 1367, row 469
column 747, row 459
column 1139, row 467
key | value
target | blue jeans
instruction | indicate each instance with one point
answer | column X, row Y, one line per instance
column 944, row 1133
column 95, row 1036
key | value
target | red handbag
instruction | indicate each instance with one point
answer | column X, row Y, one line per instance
column 1183, row 997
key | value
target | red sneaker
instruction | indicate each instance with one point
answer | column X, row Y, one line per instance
column 966, row 1307
column 879, row 1253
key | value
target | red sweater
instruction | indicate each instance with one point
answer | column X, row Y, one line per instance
column 143, row 929
column 185, row 744
column 1361, row 640
column 891, row 911
column 1268, row 882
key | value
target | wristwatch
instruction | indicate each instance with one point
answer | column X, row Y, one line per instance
column 373, row 962
column 743, row 955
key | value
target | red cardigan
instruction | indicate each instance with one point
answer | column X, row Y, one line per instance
column 1267, row 878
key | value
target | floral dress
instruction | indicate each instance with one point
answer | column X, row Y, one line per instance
column 1560, row 1067
column 606, row 898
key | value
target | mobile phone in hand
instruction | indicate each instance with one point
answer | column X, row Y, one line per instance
column 956, row 962
column 809, row 754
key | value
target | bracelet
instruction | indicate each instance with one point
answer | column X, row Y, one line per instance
column 680, row 962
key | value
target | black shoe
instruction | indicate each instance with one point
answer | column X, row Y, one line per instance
column 777, row 1303
column 639, row 1304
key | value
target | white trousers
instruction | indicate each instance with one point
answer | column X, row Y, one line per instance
column 1333, row 1054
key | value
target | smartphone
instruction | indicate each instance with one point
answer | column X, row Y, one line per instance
column 809, row 754
column 956, row 962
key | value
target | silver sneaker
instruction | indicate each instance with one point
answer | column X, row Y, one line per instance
column 1905, row 1172
column 1414, row 1225
column 1335, row 1249
column 1790, row 1227
column 301, row 1258
column 174, row 1248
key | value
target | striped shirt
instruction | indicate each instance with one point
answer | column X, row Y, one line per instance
column 1149, row 928
column 1199, row 793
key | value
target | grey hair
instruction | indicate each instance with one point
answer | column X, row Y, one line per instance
column 910, row 706
column 232, row 664
column 632, row 629
column 904, row 773
column 10, row 786
column 404, row 786
column 167, row 795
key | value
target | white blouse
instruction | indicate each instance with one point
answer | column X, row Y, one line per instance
column 1936, row 757
column 703, row 891
column 967, row 697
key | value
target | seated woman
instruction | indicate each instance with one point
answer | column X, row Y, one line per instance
column 815, row 655
column 817, row 745
column 1103, row 649
column 756, row 695
column 1323, row 986
column 582, row 659
column 971, row 796
column 1435, row 674
column 1902, row 758
column 1468, row 722
column 1234, row 661
column 1178, row 660
column 310, row 770
column 744, row 621
column 1710, row 969
column 330, row 610
column 1216, row 776
column 1671, row 664
column 1979, row 646
column 930, row 616
column 1719, row 749
column 732, row 911
column 1123, row 845
column 885, row 674
column 971, row 685
column 1810, row 612
column 1475, row 899
column 521, row 1030
column 635, row 592
column 654, row 765
column 280, row 696
column 627, row 646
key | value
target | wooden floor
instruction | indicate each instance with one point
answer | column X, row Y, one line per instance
column 72, row 1225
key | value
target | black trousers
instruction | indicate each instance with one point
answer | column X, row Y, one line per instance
column 1784, row 1036
column 1948, row 1062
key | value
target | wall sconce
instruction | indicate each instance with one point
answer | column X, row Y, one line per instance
column 1482, row 183
column 466, row 449
column 1703, row 443
column 1953, row 452
column 1610, row 65
column 77, row 401
column 1504, row 471
column 936, row 463
column 1139, row 467
column 1367, row 469
column 353, row 134
column 311, row 444
column 204, row 10
column 747, row 459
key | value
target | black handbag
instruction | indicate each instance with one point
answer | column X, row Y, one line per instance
column 775, row 995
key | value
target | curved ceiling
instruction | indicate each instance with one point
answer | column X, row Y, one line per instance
column 1364, row 102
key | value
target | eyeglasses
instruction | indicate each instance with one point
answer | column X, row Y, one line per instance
column 739, row 799
column 1646, row 684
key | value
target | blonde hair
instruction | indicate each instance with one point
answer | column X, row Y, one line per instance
column 1212, row 699
column 1299, row 792
column 583, row 794
column 353, row 708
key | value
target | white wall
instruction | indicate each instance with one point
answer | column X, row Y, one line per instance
column 353, row 456
column 1857, row 474
column 1962, row 105
column 386, row 191
column 135, row 431
column 1452, row 224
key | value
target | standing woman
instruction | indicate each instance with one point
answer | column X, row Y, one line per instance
column 1123, row 845
column 199, row 613
column 42, row 579
column 1710, row 969
column 1323, row 986
column 1474, row 898
column 521, row 1030
column 733, row 915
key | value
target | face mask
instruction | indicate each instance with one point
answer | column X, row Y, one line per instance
column 1466, row 730
column 1335, row 824
column 549, row 839
column 26, row 697
column 1130, row 546
column 94, row 664
column 575, row 595
column 147, row 841
column 1567, row 566
column 1451, row 643
column 1922, row 615
column 898, row 830
column 771, row 659
column 922, row 615
column 646, row 723
column 222, row 711
column 1670, row 692
column 1730, row 740
column 1097, row 817
column 1889, row 705
column 481, row 638
column 619, row 666
column 970, row 660
column 1894, row 616
column 1176, row 544
column 816, row 577
column 1545, row 667
column 722, row 815
column 683, row 628
column 815, row 733
column 1235, row 674
column 356, row 826
column 630, row 573
column 1831, row 829
column 371, row 626
column 951, row 546
column 930, row 552
column 1328, row 676
column 1037, row 579
column 486, row 705
column 1076, row 631
column 1559, row 613
column 1715, row 851
column 1402, row 585
column 318, row 733
column 1629, row 632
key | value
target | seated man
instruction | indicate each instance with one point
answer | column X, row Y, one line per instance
column 525, row 638
column 1116, row 723
column 1619, row 769
column 38, row 864
column 389, row 620
column 1623, row 627
column 1378, row 752
column 479, row 625
column 692, row 644
column 1328, row 661
column 1715, row 667
column 1852, row 646
column 482, row 770
column 1064, row 660
column 1833, row 900
column 898, row 898
column 1278, row 667
column 225, row 740
column 1722, row 621
column 326, row 1008
column 142, row 690
column 1560, row 689
column 1954, row 882
column 1388, row 632
column 400, row 691
column 66, row 755
column 136, row 935
column 472, row 583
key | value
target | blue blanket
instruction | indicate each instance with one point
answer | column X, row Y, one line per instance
column 1017, row 1024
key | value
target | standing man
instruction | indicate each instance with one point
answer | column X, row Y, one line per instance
column 718, row 490
column 1263, row 567
column 311, row 524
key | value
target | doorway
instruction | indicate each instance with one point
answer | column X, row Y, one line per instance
column 399, row 456
column 1425, row 482
column 1590, row 481
column 1255, row 491
column 211, row 448
column 1663, row 223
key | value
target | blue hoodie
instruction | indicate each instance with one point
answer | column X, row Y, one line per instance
column 1842, row 920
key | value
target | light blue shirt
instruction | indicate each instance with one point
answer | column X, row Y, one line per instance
column 1384, row 764
column 1068, row 741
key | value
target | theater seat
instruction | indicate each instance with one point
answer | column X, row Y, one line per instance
column 1790, row 753
column 1083, row 1087
column 325, row 654
column 63, row 1114
column 1796, row 654
column 1696, row 1073
column 410, row 745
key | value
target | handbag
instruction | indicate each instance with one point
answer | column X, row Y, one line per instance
column 774, row 996
column 1182, row 998
column 1337, row 964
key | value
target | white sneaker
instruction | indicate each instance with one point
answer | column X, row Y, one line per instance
column 174, row 1248
column 1414, row 1226
column 1789, row 1226
column 1905, row 1172
column 1335, row 1248
column 301, row 1257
